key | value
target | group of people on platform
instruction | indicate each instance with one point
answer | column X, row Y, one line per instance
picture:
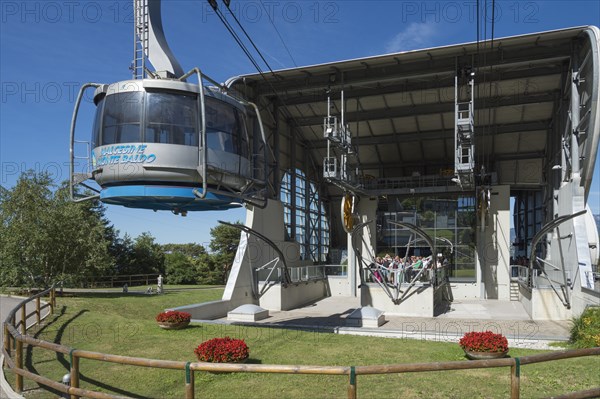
column 519, row 260
column 398, row 270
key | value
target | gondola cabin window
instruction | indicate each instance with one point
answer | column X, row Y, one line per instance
column 226, row 128
column 172, row 119
column 122, row 118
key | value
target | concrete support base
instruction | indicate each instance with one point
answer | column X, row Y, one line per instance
column 247, row 312
column 366, row 316
column 418, row 303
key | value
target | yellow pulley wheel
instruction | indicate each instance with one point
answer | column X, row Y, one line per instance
column 348, row 212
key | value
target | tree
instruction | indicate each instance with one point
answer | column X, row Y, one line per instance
column 180, row 269
column 224, row 243
column 192, row 250
column 121, row 251
column 208, row 270
column 46, row 237
column 147, row 256
column 189, row 264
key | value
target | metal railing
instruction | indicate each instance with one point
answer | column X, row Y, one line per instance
column 303, row 273
column 350, row 372
column 522, row 275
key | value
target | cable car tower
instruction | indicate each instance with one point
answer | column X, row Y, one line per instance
column 160, row 142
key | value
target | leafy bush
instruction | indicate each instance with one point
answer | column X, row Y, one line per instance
column 585, row 332
column 487, row 341
column 173, row 316
column 180, row 269
column 222, row 350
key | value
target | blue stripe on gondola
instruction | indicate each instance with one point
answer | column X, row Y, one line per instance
column 165, row 198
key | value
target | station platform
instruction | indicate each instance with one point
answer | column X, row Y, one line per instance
column 506, row 317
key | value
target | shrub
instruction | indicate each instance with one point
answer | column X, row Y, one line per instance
column 222, row 350
column 173, row 316
column 585, row 332
column 486, row 341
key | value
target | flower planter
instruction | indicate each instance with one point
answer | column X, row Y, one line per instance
column 173, row 320
column 483, row 345
column 173, row 326
column 485, row 355
column 222, row 350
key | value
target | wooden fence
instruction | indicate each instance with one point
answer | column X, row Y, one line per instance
column 132, row 280
column 16, row 334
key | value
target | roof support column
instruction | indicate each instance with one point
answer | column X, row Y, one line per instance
column 575, row 106
column 276, row 152
column 292, row 184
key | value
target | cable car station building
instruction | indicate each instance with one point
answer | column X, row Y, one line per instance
column 441, row 139
column 417, row 155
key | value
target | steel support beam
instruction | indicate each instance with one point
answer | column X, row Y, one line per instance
column 428, row 109
column 390, row 138
column 443, row 80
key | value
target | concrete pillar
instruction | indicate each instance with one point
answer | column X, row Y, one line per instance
column 494, row 247
column 253, row 252
column 367, row 210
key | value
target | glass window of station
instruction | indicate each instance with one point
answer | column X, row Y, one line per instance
column 305, row 218
column 451, row 221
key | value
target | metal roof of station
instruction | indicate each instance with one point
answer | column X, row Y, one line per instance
column 400, row 107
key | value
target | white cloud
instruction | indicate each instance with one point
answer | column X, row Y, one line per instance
column 414, row 36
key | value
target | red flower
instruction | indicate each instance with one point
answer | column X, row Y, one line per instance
column 486, row 341
column 222, row 350
column 173, row 316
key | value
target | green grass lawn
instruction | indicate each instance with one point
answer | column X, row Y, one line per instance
column 125, row 325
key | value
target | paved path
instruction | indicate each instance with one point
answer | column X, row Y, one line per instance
column 7, row 303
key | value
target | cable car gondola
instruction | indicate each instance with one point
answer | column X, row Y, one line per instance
column 162, row 143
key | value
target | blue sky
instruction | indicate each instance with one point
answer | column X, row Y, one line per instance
column 49, row 48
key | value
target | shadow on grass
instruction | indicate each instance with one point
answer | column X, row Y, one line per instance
column 61, row 358
column 57, row 338
column 192, row 327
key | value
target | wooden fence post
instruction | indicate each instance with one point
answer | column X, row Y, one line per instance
column 13, row 322
column 74, row 372
column 51, row 301
column 352, row 386
column 515, row 378
column 38, row 312
column 23, row 320
column 6, row 342
column 189, row 382
column 19, row 364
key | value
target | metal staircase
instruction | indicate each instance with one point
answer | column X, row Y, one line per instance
column 514, row 291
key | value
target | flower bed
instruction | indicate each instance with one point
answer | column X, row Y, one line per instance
column 486, row 341
column 173, row 316
column 222, row 350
